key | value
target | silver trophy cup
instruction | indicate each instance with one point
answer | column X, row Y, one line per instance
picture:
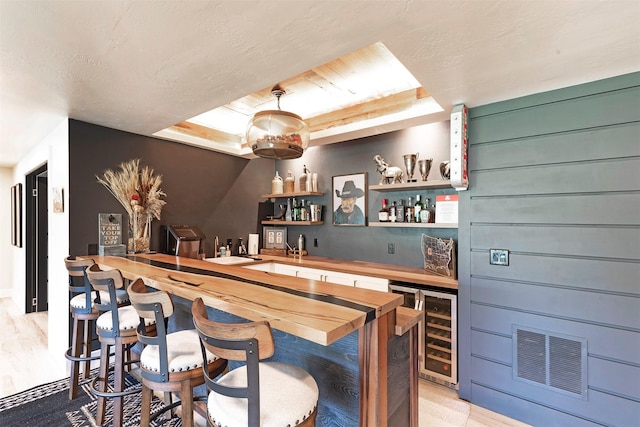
column 424, row 166
column 410, row 164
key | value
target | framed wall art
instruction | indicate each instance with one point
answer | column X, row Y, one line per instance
column 350, row 199
column 58, row 199
column 16, row 215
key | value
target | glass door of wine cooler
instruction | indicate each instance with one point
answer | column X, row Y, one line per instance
column 440, row 362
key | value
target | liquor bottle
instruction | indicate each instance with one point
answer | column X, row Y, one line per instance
column 383, row 214
column 425, row 213
column 432, row 214
column 296, row 211
column 303, row 211
column 288, row 216
column 409, row 211
column 417, row 208
column 400, row 211
column 393, row 212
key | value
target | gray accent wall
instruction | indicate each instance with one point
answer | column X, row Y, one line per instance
column 555, row 179
column 218, row 193
column 352, row 157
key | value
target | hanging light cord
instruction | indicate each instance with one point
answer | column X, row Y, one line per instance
column 277, row 91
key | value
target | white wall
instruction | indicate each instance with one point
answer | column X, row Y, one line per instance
column 6, row 181
column 53, row 150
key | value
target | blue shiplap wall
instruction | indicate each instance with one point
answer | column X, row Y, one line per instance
column 555, row 179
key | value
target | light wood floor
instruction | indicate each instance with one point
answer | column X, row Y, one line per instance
column 23, row 340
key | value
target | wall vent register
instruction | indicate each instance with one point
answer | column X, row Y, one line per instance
column 553, row 361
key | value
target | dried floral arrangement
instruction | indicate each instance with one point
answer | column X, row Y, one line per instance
column 138, row 190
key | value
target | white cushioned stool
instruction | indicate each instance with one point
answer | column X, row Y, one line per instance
column 170, row 362
column 84, row 314
column 116, row 328
column 258, row 394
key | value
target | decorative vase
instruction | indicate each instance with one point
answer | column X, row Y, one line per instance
column 139, row 233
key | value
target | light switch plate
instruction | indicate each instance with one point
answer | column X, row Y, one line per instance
column 498, row 257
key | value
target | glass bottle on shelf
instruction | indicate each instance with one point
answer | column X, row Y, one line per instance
column 409, row 211
column 288, row 216
column 417, row 208
column 289, row 183
column 296, row 210
column 383, row 214
column 425, row 213
column 303, row 178
column 400, row 212
column 303, row 211
column 432, row 213
column 277, row 186
column 393, row 212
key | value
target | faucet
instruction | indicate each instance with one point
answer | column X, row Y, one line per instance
column 216, row 244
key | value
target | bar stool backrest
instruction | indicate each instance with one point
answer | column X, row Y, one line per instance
column 107, row 281
column 77, row 268
column 250, row 342
column 152, row 305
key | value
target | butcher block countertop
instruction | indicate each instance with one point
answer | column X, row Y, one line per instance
column 386, row 271
column 316, row 311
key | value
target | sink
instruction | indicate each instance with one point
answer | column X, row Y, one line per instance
column 228, row 260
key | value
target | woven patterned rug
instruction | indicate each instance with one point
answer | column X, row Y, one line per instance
column 48, row 405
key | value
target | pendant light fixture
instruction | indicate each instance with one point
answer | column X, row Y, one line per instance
column 277, row 134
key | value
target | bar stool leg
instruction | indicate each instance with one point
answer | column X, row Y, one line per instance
column 87, row 346
column 186, row 396
column 103, row 378
column 145, row 410
column 118, row 383
column 76, row 345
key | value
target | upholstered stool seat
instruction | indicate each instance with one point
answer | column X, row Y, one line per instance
column 288, row 397
column 127, row 320
column 80, row 300
column 183, row 353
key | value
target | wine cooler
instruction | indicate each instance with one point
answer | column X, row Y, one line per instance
column 439, row 361
column 438, row 346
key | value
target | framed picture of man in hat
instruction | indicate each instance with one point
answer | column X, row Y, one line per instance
column 350, row 199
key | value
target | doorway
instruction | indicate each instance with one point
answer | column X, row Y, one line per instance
column 36, row 237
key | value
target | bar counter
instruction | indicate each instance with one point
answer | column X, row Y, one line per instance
column 348, row 338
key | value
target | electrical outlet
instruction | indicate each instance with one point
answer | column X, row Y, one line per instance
column 391, row 248
column 315, row 242
column 498, row 257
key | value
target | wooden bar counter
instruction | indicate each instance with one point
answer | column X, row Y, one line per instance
column 363, row 355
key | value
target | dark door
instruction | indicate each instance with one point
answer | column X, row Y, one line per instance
column 36, row 241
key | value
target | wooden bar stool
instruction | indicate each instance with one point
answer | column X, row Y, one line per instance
column 116, row 328
column 84, row 314
column 258, row 393
column 169, row 362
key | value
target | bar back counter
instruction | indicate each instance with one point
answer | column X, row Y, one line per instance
column 360, row 345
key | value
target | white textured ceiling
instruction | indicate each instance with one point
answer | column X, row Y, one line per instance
column 142, row 66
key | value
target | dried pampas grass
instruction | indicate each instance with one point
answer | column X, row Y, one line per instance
column 131, row 182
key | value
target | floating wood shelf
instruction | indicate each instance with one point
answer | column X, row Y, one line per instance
column 277, row 222
column 412, row 185
column 297, row 194
column 412, row 225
